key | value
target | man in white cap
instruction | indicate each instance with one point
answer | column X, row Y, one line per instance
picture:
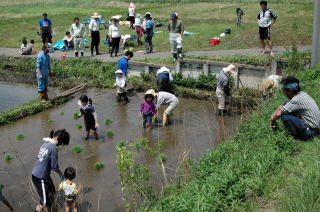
column 120, row 84
column 165, row 98
column 77, row 32
column 176, row 30
column 223, row 88
column 94, row 32
column 164, row 78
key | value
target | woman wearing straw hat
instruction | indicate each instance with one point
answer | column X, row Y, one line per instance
column 223, row 88
column 94, row 32
column 165, row 98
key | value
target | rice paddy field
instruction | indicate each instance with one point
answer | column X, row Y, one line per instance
column 20, row 18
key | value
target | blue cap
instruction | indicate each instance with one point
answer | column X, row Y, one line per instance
column 289, row 86
column 173, row 15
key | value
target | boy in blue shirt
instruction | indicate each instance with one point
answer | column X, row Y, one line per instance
column 123, row 62
column 45, row 29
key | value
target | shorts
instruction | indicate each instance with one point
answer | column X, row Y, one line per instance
column 171, row 107
column 45, row 189
column 139, row 31
column 147, row 118
column 90, row 126
column 264, row 33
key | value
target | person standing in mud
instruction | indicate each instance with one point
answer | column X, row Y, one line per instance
column 43, row 71
column 47, row 160
column 223, row 88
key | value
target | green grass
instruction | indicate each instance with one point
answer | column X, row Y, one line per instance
column 257, row 164
column 77, row 149
column 99, row 165
column 27, row 109
column 19, row 136
column 7, row 157
column 208, row 18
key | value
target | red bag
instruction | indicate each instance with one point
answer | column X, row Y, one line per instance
column 214, row 41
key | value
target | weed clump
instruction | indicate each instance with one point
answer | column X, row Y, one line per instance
column 99, row 165
column 110, row 133
column 162, row 157
column 107, row 121
column 77, row 149
column 19, row 136
column 7, row 157
column 78, row 125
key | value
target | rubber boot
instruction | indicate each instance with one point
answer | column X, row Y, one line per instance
column 76, row 54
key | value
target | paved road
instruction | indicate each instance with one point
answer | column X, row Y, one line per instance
column 140, row 55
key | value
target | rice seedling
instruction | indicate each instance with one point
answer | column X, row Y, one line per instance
column 78, row 125
column 157, row 121
column 7, row 157
column 50, row 121
column 77, row 149
column 121, row 144
column 19, row 136
column 110, row 133
column 107, row 121
column 99, row 165
column 62, row 113
column 162, row 157
column 114, row 105
column 76, row 115
column 59, row 148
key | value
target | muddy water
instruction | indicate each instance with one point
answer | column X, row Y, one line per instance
column 12, row 94
column 194, row 129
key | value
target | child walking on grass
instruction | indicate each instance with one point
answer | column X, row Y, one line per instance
column 4, row 200
column 148, row 110
column 90, row 116
column 71, row 190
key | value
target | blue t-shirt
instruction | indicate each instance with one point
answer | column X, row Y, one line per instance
column 45, row 23
column 47, row 160
column 149, row 27
column 123, row 65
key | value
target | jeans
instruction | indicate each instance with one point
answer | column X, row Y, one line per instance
column 297, row 127
column 147, row 118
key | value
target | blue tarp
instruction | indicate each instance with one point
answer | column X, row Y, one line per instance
column 60, row 44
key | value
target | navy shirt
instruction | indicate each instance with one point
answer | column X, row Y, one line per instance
column 164, row 76
column 47, row 160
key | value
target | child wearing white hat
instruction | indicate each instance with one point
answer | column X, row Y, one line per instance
column 120, row 85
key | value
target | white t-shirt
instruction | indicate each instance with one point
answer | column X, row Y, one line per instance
column 114, row 31
column 94, row 25
column 131, row 11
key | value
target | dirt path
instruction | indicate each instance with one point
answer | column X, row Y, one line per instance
column 140, row 55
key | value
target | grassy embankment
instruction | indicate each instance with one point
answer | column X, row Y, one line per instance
column 19, row 19
column 257, row 169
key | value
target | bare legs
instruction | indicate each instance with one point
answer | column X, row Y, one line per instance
column 263, row 47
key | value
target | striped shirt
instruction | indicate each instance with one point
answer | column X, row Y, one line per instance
column 303, row 106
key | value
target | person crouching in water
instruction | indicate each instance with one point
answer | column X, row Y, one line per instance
column 71, row 190
column 223, row 88
column 164, row 78
column 148, row 109
column 89, row 115
column 120, row 85
column 47, row 160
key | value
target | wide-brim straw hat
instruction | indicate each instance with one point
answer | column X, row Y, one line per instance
column 119, row 72
column 96, row 15
column 231, row 69
column 164, row 69
column 150, row 92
